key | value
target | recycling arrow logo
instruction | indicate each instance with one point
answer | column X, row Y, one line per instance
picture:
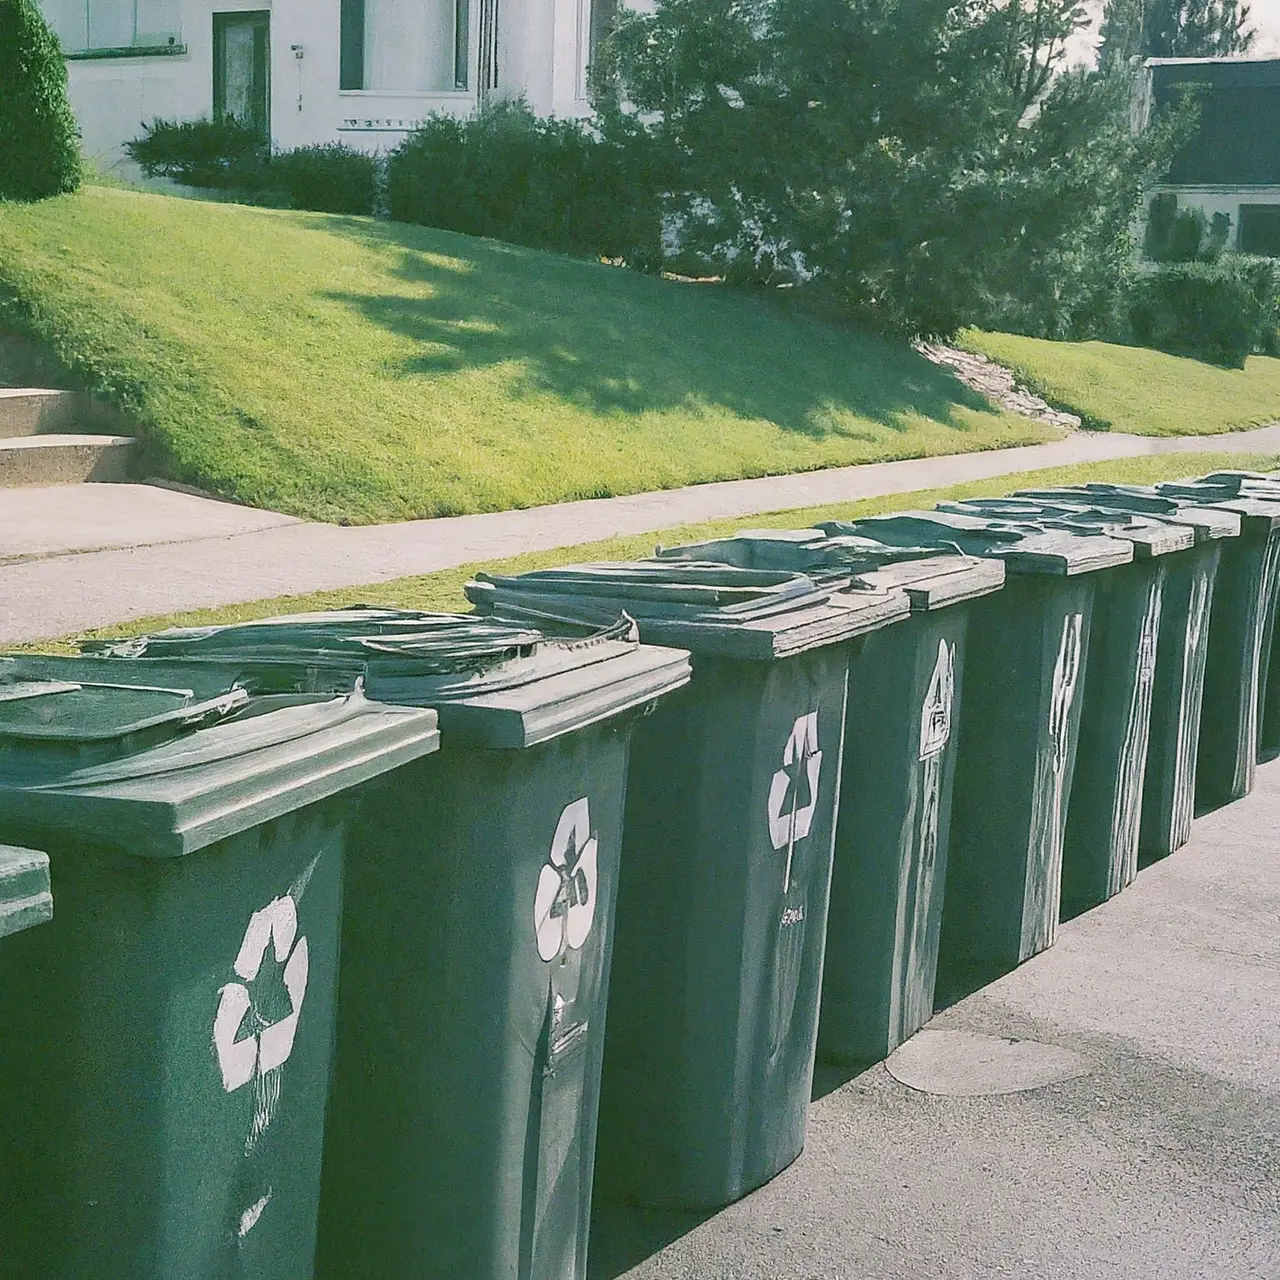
column 793, row 793
column 257, row 1018
column 564, row 904
column 935, row 714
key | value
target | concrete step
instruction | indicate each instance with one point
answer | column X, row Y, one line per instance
column 30, row 411
column 63, row 459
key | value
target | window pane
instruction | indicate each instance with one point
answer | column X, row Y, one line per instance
column 351, row 65
column 1260, row 229
column 69, row 20
column 159, row 22
column 110, row 24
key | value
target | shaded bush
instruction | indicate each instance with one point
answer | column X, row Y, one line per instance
column 1220, row 311
column 546, row 183
column 330, row 178
column 39, row 141
column 202, row 153
column 229, row 155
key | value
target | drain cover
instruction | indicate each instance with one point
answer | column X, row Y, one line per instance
column 962, row 1064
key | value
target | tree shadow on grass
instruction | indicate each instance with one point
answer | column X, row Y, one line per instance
column 619, row 344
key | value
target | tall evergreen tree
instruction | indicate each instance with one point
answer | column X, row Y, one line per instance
column 39, row 141
column 1173, row 29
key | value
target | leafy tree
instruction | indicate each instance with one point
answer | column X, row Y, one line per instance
column 912, row 159
column 1135, row 29
column 39, row 142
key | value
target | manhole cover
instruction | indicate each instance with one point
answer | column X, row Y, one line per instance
column 962, row 1064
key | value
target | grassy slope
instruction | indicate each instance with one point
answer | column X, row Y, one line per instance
column 347, row 369
column 1136, row 390
column 443, row 590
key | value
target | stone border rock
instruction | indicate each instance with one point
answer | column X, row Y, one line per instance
column 996, row 383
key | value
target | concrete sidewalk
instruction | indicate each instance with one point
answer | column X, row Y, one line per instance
column 1163, row 1160
column 69, row 562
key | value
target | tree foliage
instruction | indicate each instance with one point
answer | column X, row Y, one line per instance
column 39, row 141
column 917, row 159
column 1137, row 29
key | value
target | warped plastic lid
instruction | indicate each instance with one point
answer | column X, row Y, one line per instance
column 1025, row 548
column 48, row 720
column 708, row 608
column 25, row 896
column 492, row 682
column 1150, row 538
column 207, row 783
column 1259, row 513
column 1207, row 522
column 929, row 578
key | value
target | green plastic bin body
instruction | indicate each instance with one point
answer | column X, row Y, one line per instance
column 168, row 1037
column 726, row 868
column 892, row 837
column 477, row 937
column 1016, row 745
column 1101, row 840
column 471, row 1028
column 1241, row 628
column 1168, row 794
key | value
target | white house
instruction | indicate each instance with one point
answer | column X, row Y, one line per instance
column 1231, row 163
column 362, row 72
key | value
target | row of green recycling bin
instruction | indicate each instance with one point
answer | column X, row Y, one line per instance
column 341, row 901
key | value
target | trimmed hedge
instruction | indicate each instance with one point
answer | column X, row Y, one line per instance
column 1217, row 311
column 549, row 184
column 329, row 177
column 39, row 141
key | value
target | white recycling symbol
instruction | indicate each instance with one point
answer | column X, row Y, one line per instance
column 789, row 820
column 266, row 1045
column 935, row 713
column 564, row 904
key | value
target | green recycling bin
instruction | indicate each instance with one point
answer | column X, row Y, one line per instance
column 168, row 1036
column 26, row 899
column 892, row 835
column 1266, row 488
column 1104, row 813
column 1016, row 748
column 477, row 937
column 1241, row 628
column 1168, row 793
column 722, row 904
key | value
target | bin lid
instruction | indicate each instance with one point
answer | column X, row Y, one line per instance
column 25, row 896
column 708, row 608
column 1256, row 513
column 1024, row 548
column 493, row 683
column 1150, row 538
column 930, row 579
column 209, row 783
column 1206, row 522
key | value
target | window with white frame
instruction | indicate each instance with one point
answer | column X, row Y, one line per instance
column 89, row 26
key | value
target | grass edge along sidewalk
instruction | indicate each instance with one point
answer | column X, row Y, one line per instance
column 1135, row 389
column 442, row 590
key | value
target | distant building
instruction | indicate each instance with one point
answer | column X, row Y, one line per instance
column 1231, row 165
column 362, row 72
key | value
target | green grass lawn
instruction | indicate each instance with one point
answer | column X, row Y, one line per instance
column 443, row 590
column 1136, row 390
column 352, row 370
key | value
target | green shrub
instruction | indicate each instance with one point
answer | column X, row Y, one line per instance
column 1220, row 311
column 331, row 178
column 39, row 141
column 203, row 153
column 506, row 173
